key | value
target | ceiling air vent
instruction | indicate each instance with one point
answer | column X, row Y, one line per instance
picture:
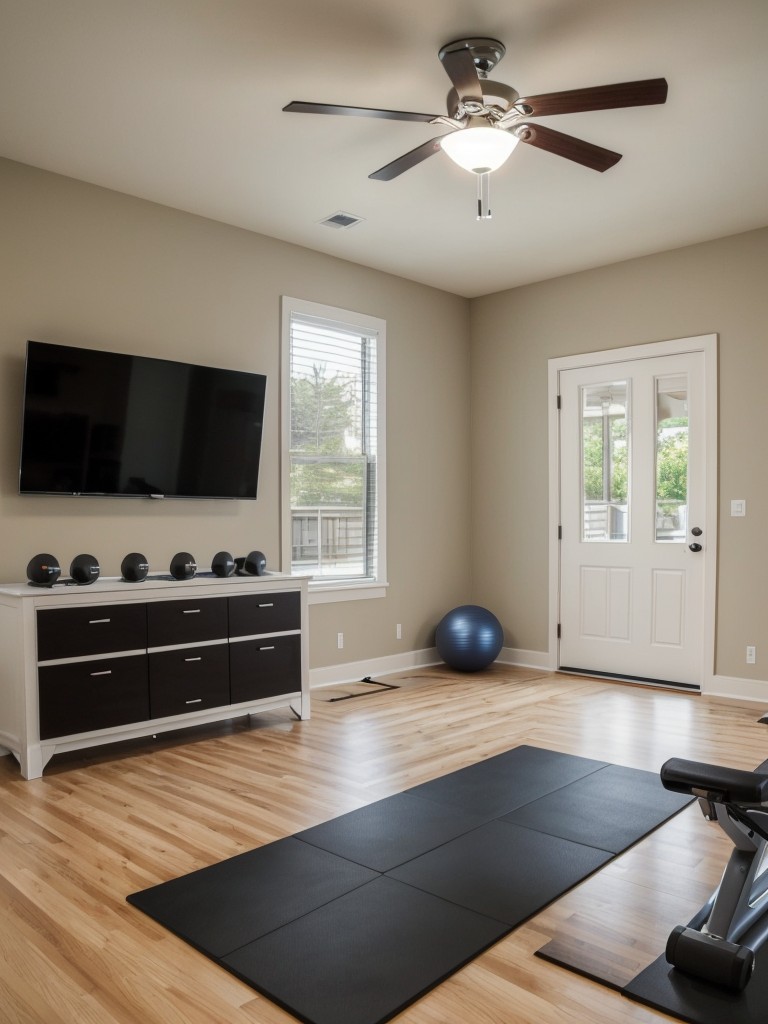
column 341, row 220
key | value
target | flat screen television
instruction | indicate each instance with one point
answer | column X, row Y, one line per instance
column 104, row 423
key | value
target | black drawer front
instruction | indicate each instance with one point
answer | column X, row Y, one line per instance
column 188, row 680
column 90, row 629
column 251, row 614
column 264, row 668
column 186, row 622
column 90, row 695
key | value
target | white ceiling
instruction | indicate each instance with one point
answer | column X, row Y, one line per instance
column 180, row 102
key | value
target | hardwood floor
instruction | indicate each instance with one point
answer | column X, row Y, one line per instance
column 106, row 823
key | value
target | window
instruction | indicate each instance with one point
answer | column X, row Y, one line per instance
column 672, row 458
column 333, row 447
column 605, row 443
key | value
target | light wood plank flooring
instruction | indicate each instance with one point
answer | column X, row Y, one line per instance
column 104, row 823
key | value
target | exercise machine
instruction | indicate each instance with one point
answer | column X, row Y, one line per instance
column 720, row 943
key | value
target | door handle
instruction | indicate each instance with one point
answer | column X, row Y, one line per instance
column 697, row 531
column 695, row 547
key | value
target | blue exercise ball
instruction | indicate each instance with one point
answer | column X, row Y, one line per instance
column 469, row 638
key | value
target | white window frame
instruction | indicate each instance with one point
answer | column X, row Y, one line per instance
column 325, row 590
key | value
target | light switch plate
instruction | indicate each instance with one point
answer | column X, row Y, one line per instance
column 738, row 507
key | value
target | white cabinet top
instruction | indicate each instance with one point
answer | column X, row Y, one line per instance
column 160, row 586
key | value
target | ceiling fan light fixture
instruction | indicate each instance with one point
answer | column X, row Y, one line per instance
column 481, row 149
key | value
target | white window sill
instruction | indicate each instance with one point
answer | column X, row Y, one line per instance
column 325, row 592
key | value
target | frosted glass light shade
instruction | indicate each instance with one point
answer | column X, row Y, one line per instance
column 479, row 149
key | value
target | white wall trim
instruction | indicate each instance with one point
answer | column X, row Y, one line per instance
column 319, row 594
column 754, row 690
column 354, row 671
column 737, row 689
column 525, row 659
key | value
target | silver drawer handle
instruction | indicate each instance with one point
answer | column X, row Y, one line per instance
column 106, row 672
column 270, row 605
column 267, row 648
column 95, row 622
column 198, row 700
column 193, row 659
column 190, row 611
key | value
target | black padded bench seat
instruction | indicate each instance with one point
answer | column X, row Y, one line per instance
column 714, row 782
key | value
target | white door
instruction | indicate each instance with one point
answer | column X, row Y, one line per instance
column 633, row 504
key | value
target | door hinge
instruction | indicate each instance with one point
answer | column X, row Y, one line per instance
column 558, row 402
column 559, row 533
column 559, row 632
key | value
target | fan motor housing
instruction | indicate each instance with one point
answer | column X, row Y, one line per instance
column 486, row 53
column 495, row 94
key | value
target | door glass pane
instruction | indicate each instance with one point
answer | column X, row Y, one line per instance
column 605, row 430
column 672, row 458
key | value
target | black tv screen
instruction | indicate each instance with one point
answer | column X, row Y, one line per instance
column 103, row 423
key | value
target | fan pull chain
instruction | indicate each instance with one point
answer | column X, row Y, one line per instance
column 484, row 196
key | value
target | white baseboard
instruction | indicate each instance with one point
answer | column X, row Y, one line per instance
column 526, row 659
column 354, row 671
column 737, row 689
column 755, row 690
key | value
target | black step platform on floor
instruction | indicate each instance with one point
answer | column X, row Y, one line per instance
column 350, row 921
column 663, row 988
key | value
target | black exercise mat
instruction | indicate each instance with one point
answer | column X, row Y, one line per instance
column 222, row 907
column 502, row 870
column 391, row 831
column 366, row 956
column 350, row 921
column 664, row 988
column 584, row 811
column 498, row 785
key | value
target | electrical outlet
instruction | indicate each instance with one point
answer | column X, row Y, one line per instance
column 340, row 640
column 399, row 631
column 750, row 655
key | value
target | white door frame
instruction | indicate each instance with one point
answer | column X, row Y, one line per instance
column 706, row 343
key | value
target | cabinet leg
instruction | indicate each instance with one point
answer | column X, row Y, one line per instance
column 31, row 761
column 301, row 710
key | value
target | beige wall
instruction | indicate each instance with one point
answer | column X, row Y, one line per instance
column 85, row 266
column 713, row 288
column 82, row 265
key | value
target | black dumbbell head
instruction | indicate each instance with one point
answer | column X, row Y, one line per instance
column 222, row 564
column 43, row 570
column 183, row 566
column 134, row 567
column 84, row 569
column 254, row 564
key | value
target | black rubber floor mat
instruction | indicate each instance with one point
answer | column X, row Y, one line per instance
column 350, row 921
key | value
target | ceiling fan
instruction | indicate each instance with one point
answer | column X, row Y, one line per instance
column 487, row 119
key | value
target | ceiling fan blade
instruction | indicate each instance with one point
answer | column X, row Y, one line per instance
column 407, row 160
column 460, row 66
column 586, row 153
column 299, row 107
column 599, row 97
